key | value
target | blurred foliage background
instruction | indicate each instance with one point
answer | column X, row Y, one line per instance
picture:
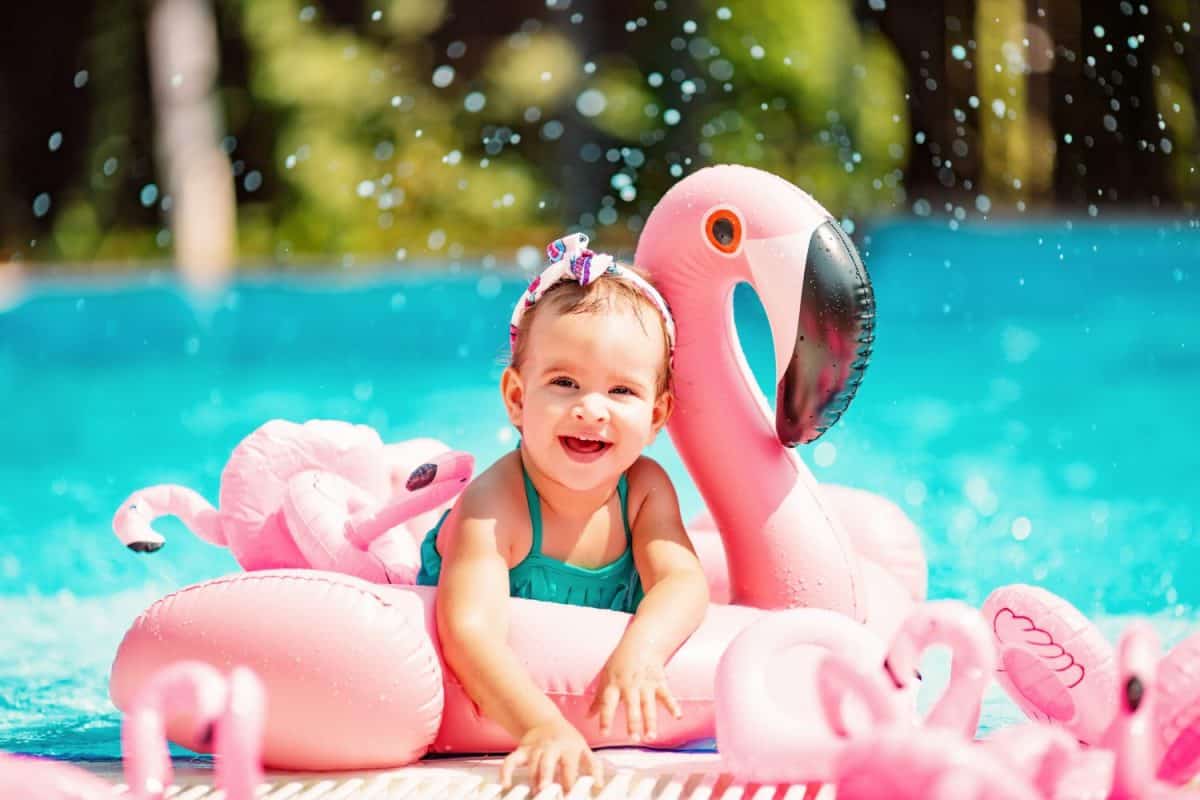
column 401, row 130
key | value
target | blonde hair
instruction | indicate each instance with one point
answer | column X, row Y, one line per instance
column 597, row 297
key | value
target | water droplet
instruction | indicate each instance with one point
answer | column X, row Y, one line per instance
column 591, row 102
column 723, row 13
column 55, row 142
column 824, row 454
column 958, row 52
column 253, row 181
column 81, row 79
column 443, row 76
column 148, row 195
column 671, row 116
column 1021, row 528
column 41, row 205
column 474, row 102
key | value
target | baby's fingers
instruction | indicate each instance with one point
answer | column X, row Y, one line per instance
column 594, row 767
column 633, row 713
column 649, row 712
column 607, row 702
column 545, row 768
column 668, row 700
column 570, row 768
column 517, row 758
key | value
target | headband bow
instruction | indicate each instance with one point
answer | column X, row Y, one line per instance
column 570, row 259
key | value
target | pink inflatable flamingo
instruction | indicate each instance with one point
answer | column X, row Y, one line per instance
column 728, row 225
column 1059, row 668
column 291, row 494
column 1131, row 737
column 43, row 779
column 958, row 626
column 890, row 759
column 227, row 715
column 769, row 730
column 1123, row 764
column 877, row 528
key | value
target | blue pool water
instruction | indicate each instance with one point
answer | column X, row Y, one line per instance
column 1031, row 404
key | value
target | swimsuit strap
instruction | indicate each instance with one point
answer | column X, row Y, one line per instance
column 534, row 501
column 623, row 493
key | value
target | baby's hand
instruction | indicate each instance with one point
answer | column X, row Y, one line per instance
column 641, row 683
column 545, row 748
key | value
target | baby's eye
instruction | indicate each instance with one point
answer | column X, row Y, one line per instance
column 622, row 390
column 563, row 381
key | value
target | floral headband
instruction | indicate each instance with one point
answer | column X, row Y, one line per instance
column 570, row 260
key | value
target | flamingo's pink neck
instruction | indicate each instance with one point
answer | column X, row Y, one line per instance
column 728, row 442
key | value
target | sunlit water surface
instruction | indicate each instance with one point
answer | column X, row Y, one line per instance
column 1031, row 404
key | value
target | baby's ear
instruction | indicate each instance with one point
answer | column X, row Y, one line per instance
column 512, row 389
column 664, row 404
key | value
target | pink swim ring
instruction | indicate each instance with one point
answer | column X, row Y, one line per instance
column 1057, row 666
column 337, row 653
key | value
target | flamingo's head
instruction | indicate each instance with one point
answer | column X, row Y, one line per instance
column 731, row 224
column 1133, row 735
column 1137, row 663
column 944, row 622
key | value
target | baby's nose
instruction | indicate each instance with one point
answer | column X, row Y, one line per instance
column 591, row 407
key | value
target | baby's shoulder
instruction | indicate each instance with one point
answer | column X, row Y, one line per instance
column 497, row 494
column 646, row 478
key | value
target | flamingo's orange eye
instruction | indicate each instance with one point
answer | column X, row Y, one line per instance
column 724, row 230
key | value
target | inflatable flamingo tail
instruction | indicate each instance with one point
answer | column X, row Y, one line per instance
column 428, row 486
column 133, row 522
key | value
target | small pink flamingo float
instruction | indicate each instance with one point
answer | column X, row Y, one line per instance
column 1124, row 763
column 226, row 714
column 1058, row 668
column 959, row 627
column 314, row 495
column 890, row 758
column 768, row 728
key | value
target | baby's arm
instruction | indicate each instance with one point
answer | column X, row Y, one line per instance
column 472, row 617
column 676, row 598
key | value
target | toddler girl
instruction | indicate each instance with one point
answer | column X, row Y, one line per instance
column 575, row 515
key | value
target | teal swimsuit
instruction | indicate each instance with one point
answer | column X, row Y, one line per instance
column 615, row 585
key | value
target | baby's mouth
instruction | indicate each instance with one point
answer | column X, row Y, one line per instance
column 583, row 446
